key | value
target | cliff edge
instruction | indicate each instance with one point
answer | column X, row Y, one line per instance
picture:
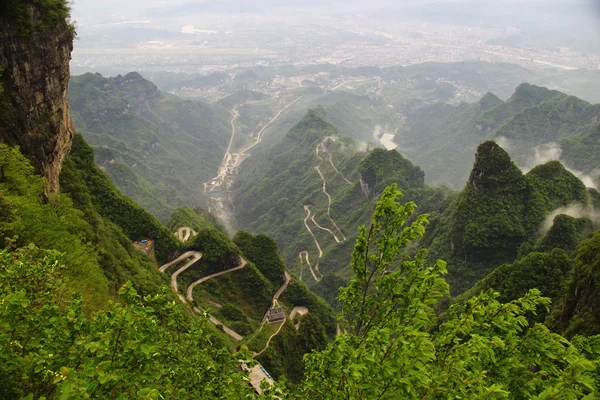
column 36, row 41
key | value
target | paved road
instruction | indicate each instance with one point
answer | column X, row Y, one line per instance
column 284, row 286
column 306, row 257
column 179, row 259
column 298, row 310
column 216, row 322
column 184, row 233
column 325, row 229
column 226, row 329
column 189, row 293
column 279, row 292
column 326, row 150
column 270, row 338
column 196, row 255
column 259, row 136
column 324, row 189
column 305, row 253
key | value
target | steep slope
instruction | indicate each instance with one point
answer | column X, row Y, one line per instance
column 35, row 50
column 439, row 137
column 499, row 211
column 157, row 148
column 313, row 189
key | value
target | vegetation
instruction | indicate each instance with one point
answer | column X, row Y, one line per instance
column 52, row 14
column 137, row 348
column 497, row 217
column 575, row 313
column 396, row 348
column 136, row 223
column 441, row 138
column 196, row 219
column 158, row 149
column 262, row 251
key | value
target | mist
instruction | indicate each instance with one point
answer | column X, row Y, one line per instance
column 129, row 35
column 575, row 211
column 553, row 152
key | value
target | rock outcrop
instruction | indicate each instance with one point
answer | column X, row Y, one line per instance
column 34, row 75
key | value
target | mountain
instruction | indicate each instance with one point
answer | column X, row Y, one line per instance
column 87, row 311
column 157, row 148
column 440, row 137
column 45, row 134
column 80, row 259
column 313, row 189
column 499, row 212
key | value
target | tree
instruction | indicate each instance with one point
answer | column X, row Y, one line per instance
column 398, row 348
column 138, row 348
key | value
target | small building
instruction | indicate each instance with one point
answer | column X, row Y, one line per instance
column 275, row 314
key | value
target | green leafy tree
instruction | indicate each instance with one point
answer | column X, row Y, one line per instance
column 397, row 348
column 139, row 348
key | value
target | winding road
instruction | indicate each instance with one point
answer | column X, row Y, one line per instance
column 228, row 169
column 184, row 233
column 259, row 135
column 304, row 256
column 190, row 290
column 292, row 314
column 305, row 253
column 326, row 150
column 196, row 256
column 298, row 310
column 283, row 287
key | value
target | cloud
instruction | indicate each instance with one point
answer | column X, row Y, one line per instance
column 553, row 152
column 504, row 142
column 575, row 211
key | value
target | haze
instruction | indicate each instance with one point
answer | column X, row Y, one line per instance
column 187, row 36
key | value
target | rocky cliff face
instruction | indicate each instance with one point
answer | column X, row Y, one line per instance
column 34, row 111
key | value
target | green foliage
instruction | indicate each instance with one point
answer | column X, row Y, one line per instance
column 52, row 224
column 566, row 233
column 543, row 271
column 135, row 222
column 496, row 212
column 312, row 127
column 582, row 150
column 558, row 186
column 262, row 251
column 283, row 358
column 441, row 138
column 158, row 149
column 51, row 14
column 381, row 167
column 396, row 349
column 196, row 219
column 120, row 262
column 576, row 312
column 216, row 247
column 498, row 216
column 138, row 348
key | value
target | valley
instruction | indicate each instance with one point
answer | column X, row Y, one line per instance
column 218, row 188
column 322, row 229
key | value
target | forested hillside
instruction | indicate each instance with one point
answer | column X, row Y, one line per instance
column 490, row 292
column 158, row 149
column 532, row 125
column 313, row 192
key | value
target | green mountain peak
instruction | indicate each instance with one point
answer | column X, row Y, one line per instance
column 312, row 126
column 489, row 100
column 493, row 167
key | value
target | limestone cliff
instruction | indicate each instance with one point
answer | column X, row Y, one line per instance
column 35, row 50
